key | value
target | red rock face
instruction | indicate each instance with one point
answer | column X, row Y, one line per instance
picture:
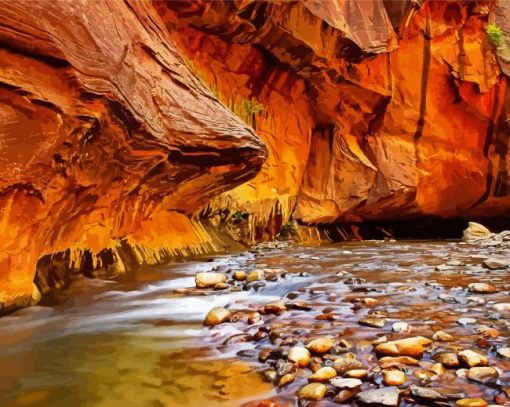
column 105, row 135
column 404, row 104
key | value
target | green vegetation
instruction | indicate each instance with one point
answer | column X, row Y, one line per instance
column 288, row 228
column 246, row 109
column 495, row 34
column 239, row 216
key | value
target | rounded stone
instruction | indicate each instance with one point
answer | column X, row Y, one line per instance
column 312, row 391
column 209, row 279
column 394, row 377
column 299, row 355
column 320, row 345
column 216, row 316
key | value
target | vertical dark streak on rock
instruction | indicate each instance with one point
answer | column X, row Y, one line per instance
column 488, row 142
column 424, row 83
column 501, row 147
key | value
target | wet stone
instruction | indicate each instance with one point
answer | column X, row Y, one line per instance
column 209, row 279
column 483, row 374
column 385, row 396
column 320, row 345
column 342, row 383
column 312, row 391
column 299, row 355
column 447, row 359
column 504, row 352
column 356, row 373
column 482, row 288
column 496, row 264
column 441, row 336
column 470, row 358
column 414, row 347
column 286, row 379
column 466, row 321
column 323, row 374
column 283, row 367
column 343, row 365
column 401, row 327
column 373, row 322
column 394, row 377
column 216, row 316
column 471, row 402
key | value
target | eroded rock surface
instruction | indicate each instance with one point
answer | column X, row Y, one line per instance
column 106, row 136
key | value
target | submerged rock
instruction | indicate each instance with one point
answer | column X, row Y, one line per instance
column 482, row 288
column 299, row 355
column 385, row 396
column 216, row 316
column 482, row 374
column 323, row 374
column 394, row 377
column 320, row 345
column 414, row 347
column 345, row 383
column 471, row 402
column 471, row 358
column 209, row 280
column 312, row 391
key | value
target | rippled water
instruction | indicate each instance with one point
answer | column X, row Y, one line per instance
column 139, row 342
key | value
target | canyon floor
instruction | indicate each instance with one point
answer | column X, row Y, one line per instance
column 140, row 340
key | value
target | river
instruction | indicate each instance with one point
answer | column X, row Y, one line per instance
column 139, row 340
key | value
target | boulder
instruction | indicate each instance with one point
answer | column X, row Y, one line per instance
column 476, row 231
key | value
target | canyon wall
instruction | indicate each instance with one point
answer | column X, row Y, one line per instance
column 132, row 131
column 372, row 111
column 108, row 141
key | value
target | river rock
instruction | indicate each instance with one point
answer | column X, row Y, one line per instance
column 475, row 231
column 394, row 377
column 209, row 280
column 482, row 374
column 433, row 394
column 284, row 367
column 312, row 391
column 504, row 352
column 441, row 336
column 323, row 374
column 482, row 288
column 299, row 355
column 404, row 360
column 385, row 396
column 414, row 347
column 471, row 402
column 343, row 365
column 502, row 307
column 254, row 275
column 345, row 383
column 276, row 308
column 286, row 379
column 401, row 327
column 466, row 321
column 447, row 359
column 472, row 359
column 373, row 322
column 437, row 368
column 216, row 316
column 239, row 275
column 356, row 373
column 345, row 395
column 320, row 345
column 269, row 375
column 496, row 264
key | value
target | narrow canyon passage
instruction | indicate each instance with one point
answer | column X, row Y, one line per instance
column 140, row 341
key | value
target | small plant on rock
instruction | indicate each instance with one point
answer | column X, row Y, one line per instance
column 239, row 216
column 495, row 34
column 288, row 228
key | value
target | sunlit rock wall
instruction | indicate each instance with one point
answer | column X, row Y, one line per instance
column 386, row 110
column 107, row 140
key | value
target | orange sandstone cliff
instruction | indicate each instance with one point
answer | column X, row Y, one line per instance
column 126, row 123
column 371, row 110
column 107, row 139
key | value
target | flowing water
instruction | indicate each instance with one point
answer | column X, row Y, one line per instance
column 139, row 341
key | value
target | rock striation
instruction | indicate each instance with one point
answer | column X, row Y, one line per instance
column 108, row 141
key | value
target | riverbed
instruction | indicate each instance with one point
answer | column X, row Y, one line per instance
column 139, row 340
